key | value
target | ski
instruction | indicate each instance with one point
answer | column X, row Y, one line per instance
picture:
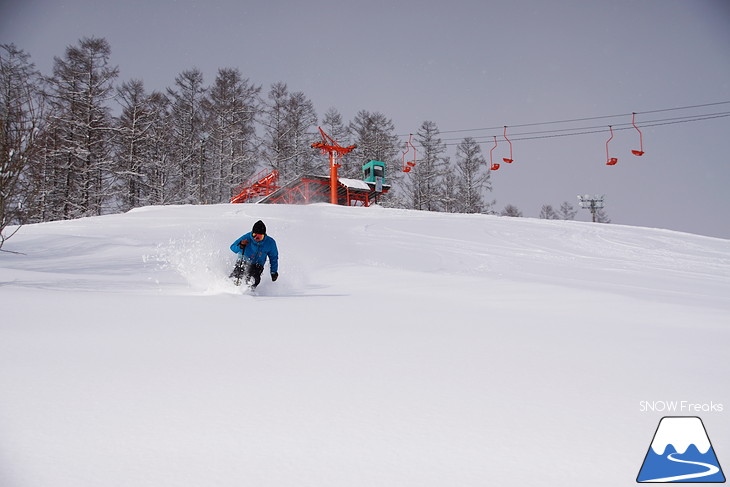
column 237, row 273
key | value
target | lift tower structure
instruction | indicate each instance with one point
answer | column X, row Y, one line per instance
column 335, row 151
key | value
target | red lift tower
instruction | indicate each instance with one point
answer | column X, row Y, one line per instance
column 335, row 151
column 308, row 188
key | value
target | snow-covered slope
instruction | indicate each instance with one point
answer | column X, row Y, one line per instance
column 397, row 348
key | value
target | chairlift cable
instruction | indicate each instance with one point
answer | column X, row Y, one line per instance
column 585, row 119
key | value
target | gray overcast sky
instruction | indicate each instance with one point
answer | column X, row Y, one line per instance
column 463, row 65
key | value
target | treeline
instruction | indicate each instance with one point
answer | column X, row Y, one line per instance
column 79, row 142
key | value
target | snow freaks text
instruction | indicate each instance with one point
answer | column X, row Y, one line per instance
column 682, row 407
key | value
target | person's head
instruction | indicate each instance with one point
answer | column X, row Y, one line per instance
column 258, row 232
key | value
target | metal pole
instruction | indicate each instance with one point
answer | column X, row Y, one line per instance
column 333, row 179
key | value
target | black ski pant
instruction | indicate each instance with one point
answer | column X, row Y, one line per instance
column 252, row 273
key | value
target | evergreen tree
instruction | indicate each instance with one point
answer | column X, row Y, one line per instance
column 473, row 178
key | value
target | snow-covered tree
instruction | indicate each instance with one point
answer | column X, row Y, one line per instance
column 189, row 136
column 301, row 120
column 131, row 140
column 231, row 108
column 567, row 211
column 472, row 177
column 21, row 120
column 450, row 196
column 602, row 216
column 334, row 126
column 374, row 135
column 275, row 129
column 80, row 90
column 511, row 210
column 161, row 170
column 548, row 213
column 423, row 185
column 288, row 120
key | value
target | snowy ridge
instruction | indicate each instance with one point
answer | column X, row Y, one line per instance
column 194, row 241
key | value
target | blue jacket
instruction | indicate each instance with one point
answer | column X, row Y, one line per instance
column 257, row 252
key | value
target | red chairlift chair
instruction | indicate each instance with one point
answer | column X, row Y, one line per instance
column 610, row 161
column 493, row 165
column 508, row 161
column 639, row 152
column 409, row 164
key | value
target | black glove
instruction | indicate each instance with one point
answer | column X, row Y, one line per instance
column 274, row 276
column 242, row 244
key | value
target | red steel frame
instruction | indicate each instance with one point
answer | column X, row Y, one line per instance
column 308, row 189
column 263, row 184
column 335, row 151
column 312, row 189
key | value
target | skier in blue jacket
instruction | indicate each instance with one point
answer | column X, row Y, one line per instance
column 254, row 248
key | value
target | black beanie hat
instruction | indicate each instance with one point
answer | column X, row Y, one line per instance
column 259, row 227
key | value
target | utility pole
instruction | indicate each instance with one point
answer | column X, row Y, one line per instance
column 593, row 203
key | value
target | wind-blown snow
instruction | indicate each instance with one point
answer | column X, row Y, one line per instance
column 397, row 348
